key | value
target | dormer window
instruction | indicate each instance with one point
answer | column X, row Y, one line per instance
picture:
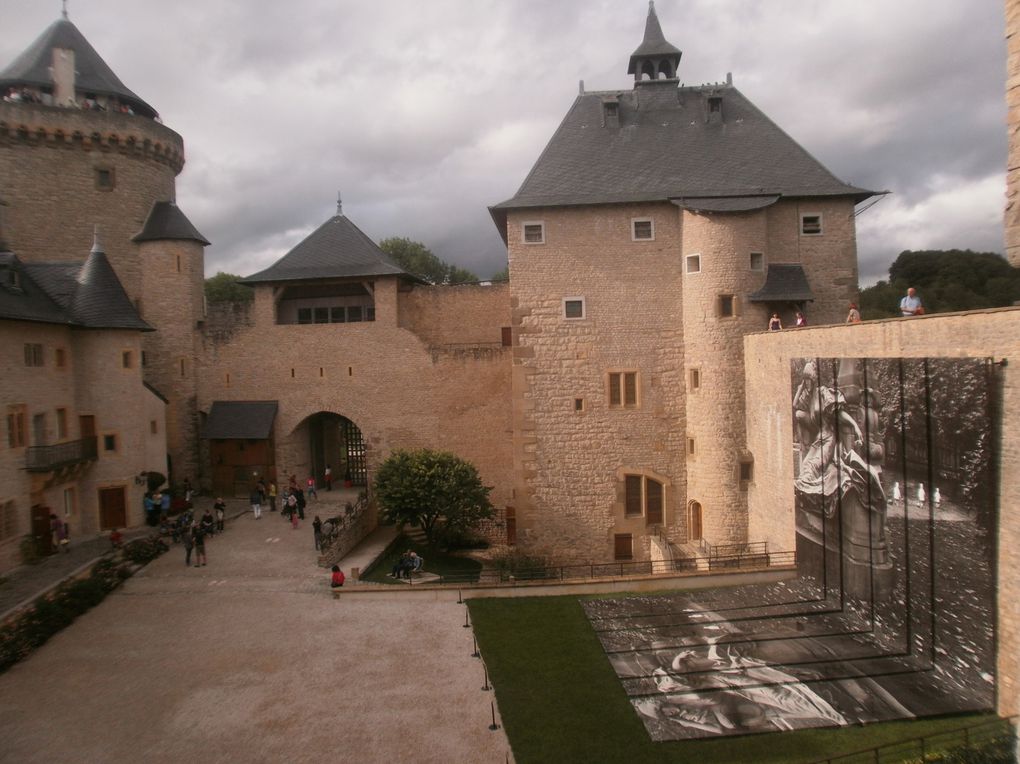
column 611, row 113
column 715, row 105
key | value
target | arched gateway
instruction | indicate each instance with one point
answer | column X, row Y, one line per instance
column 326, row 439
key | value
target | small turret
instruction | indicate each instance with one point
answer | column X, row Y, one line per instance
column 654, row 58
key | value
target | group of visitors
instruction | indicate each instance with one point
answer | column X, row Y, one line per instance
column 910, row 305
column 776, row 323
column 60, row 534
column 408, row 563
column 89, row 103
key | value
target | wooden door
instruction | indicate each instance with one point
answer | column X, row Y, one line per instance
column 42, row 534
column 112, row 508
column 694, row 529
column 653, row 502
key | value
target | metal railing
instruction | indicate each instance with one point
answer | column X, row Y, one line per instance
column 931, row 747
column 333, row 527
column 616, row 569
column 49, row 458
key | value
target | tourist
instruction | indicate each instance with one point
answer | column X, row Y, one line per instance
column 317, row 532
column 164, row 504
column 291, row 504
column 256, row 503
column 189, row 544
column 54, row 530
column 921, row 497
column 300, row 502
column 150, row 508
column 311, row 488
column 294, row 520
column 337, row 579
column 400, row 565
column 220, row 507
column 911, row 304
column 207, row 523
column 199, row 535
column 64, row 536
column 272, row 495
column 116, row 539
column 263, row 491
column 775, row 324
column 328, row 475
column 801, row 321
column 188, row 491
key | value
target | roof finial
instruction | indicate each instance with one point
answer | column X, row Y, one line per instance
column 64, row 11
column 96, row 246
column 339, row 204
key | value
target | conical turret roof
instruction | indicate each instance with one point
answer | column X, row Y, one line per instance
column 93, row 75
column 99, row 301
column 167, row 221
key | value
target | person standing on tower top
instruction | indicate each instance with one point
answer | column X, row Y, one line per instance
column 911, row 304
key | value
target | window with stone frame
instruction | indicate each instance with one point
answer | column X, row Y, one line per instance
column 642, row 230
column 573, row 308
column 694, row 378
column 533, row 232
column 811, row 224
column 623, row 389
column 726, row 306
column 106, row 179
column 693, row 263
column 16, row 428
column 61, row 424
column 34, row 354
column 60, row 358
column 757, row 261
column 643, row 496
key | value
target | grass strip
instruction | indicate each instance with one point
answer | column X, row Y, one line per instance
column 561, row 700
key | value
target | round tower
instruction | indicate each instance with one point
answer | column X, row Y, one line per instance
column 717, row 278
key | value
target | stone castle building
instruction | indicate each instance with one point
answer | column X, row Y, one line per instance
column 600, row 392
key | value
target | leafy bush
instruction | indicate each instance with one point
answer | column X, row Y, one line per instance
column 142, row 551
column 516, row 563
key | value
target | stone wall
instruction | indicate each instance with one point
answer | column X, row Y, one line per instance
column 1012, row 214
column 992, row 333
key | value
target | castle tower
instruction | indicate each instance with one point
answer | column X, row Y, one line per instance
column 173, row 281
column 78, row 149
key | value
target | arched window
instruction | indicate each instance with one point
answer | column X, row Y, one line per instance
column 665, row 70
column 648, row 71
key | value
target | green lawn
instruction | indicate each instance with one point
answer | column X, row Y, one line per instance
column 440, row 563
column 561, row 701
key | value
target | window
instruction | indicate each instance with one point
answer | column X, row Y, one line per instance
column 304, row 315
column 105, row 178
column 534, row 233
column 643, row 496
column 573, row 307
column 695, row 378
column 16, row 426
column 726, row 306
column 642, row 230
column 61, row 424
column 178, row 263
column 623, row 389
column 33, row 354
column 337, row 315
column 714, row 104
column 8, row 521
column 578, row 404
column 690, row 446
column 127, row 359
column 322, row 315
column 623, row 546
column 353, row 314
column 110, row 443
column 506, row 336
column 370, row 313
column 745, row 472
column 153, row 427
column 145, row 359
column 70, row 502
column 59, row 358
column 811, row 225
column 182, row 367
column 693, row 263
column 757, row 261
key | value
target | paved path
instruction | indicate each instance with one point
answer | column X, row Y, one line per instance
column 251, row 659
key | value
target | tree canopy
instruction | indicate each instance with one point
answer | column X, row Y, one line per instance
column 436, row 490
column 223, row 287
column 946, row 281
column 414, row 257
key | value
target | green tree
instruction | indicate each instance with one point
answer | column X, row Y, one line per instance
column 946, row 280
column 414, row 257
column 436, row 490
column 224, row 287
column 503, row 275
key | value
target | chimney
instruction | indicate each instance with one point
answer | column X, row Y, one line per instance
column 63, row 76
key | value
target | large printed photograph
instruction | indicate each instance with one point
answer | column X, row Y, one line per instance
column 892, row 613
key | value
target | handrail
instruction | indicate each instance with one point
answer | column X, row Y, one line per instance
column 922, row 747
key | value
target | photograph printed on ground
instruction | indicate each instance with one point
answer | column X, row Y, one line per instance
column 891, row 614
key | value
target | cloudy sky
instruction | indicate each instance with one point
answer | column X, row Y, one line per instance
column 424, row 113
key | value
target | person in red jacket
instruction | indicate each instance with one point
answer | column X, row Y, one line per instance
column 338, row 577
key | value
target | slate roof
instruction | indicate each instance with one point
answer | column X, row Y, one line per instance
column 784, row 283
column 240, row 420
column 726, row 203
column 93, row 75
column 336, row 249
column 85, row 295
column 166, row 221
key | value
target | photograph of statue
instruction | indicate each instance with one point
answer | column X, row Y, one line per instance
column 890, row 616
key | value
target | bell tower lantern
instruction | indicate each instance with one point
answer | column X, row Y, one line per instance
column 654, row 59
